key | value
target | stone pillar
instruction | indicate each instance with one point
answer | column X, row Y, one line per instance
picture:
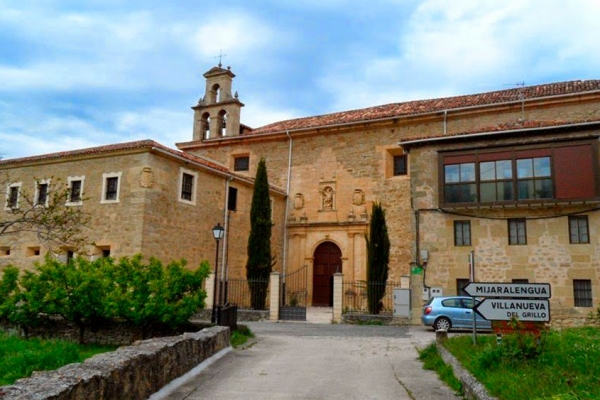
column 274, row 298
column 209, row 284
column 337, row 297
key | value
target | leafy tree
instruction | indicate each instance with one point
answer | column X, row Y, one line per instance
column 260, row 261
column 25, row 301
column 76, row 291
column 378, row 258
column 9, row 292
column 147, row 294
column 55, row 224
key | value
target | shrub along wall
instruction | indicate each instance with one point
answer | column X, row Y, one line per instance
column 132, row 372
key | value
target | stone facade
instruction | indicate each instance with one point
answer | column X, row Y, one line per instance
column 149, row 216
column 328, row 170
column 337, row 165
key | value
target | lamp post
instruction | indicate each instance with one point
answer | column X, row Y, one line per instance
column 218, row 232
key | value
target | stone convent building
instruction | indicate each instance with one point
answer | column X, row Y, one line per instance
column 507, row 178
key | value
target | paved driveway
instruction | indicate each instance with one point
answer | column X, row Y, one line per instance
column 316, row 361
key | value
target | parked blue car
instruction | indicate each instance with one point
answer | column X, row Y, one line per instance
column 452, row 312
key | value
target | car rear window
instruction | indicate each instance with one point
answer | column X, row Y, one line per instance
column 452, row 303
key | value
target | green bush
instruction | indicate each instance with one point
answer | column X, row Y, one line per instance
column 87, row 293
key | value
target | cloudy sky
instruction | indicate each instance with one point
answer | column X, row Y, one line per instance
column 80, row 73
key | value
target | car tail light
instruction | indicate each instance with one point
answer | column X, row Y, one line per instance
column 427, row 310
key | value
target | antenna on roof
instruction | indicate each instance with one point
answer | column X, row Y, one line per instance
column 521, row 91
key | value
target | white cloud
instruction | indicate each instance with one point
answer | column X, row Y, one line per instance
column 237, row 34
column 471, row 46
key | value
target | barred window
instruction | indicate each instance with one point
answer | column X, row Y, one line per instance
column 241, row 163
column 112, row 184
column 582, row 292
column 187, row 186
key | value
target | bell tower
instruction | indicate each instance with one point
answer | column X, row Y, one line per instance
column 217, row 114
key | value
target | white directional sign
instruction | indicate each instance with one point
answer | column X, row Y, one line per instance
column 522, row 309
column 509, row 290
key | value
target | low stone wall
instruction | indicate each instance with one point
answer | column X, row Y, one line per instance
column 132, row 372
column 243, row 315
column 112, row 332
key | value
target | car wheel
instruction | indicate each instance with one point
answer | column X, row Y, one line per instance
column 442, row 323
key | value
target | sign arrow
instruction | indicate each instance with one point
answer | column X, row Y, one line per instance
column 522, row 309
column 509, row 290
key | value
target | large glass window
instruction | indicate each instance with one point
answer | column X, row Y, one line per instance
column 460, row 182
column 534, row 178
column 496, row 179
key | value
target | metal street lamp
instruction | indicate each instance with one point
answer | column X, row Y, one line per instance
column 218, row 232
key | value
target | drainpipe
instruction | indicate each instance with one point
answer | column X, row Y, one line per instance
column 287, row 192
column 225, row 268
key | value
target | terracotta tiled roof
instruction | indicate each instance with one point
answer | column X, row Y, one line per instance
column 112, row 148
column 432, row 105
column 505, row 127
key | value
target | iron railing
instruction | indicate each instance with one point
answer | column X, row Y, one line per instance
column 238, row 291
column 356, row 294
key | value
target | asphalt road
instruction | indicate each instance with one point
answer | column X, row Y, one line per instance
column 319, row 361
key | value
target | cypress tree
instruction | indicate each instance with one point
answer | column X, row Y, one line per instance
column 378, row 258
column 260, row 261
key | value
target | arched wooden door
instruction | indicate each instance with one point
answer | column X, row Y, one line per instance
column 327, row 261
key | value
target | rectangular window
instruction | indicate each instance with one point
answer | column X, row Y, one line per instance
column 517, row 232
column 41, row 194
column 232, row 199
column 400, row 165
column 579, row 229
column 187, row 187
column 111, row 187
column 13, row 197
column 75, row 190
column 75, row 195
column 518, row 280
column 4, row 251
column 241, row 163
column 461, row 283
column 582, row 292
column 462, row 233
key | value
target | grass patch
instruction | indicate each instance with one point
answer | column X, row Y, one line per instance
column 563, row 366
column 20, row 357
column 433, row 361
column 240, row 336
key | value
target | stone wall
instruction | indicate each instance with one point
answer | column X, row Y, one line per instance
column 132, row 372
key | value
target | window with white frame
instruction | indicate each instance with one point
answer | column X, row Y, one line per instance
column 13, row 194
column 111, row 187
column 42, row 188
column 187, row 186
column 75, row 190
